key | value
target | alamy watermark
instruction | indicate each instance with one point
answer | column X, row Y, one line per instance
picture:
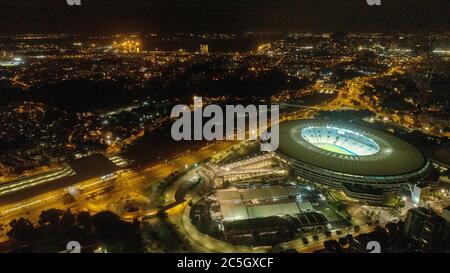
column 374, row 247
column 73, row 247
column 73, row 2
column 373, row 2
column 228, row 125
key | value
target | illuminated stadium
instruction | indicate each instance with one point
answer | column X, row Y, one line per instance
column 363, row 162
column 341, row 141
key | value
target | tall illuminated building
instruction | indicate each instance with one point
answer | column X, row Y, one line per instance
column 426, row 227
column 204, row 49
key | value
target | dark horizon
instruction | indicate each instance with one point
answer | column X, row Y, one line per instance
column 114, row 16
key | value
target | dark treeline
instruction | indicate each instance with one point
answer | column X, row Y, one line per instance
column 56, row 228
column 87, row 95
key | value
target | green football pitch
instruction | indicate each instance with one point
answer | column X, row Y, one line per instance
column 334, row 149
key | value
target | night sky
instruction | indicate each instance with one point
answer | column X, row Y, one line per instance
column 114, row 16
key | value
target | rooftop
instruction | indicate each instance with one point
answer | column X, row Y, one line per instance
column 393, row 156
column 93, row 166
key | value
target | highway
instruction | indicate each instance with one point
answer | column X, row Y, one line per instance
column 312, row 246
column 132, row 181
column 203, row 243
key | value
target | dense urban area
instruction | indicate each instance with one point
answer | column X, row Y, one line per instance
column 87, row 153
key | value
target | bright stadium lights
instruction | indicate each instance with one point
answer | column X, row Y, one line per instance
column 340, row 140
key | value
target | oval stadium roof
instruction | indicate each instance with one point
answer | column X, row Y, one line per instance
column 395, row 157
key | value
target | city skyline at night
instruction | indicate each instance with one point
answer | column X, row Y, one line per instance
column 241, row 127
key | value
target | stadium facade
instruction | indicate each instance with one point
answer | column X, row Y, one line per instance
column 363, row 162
